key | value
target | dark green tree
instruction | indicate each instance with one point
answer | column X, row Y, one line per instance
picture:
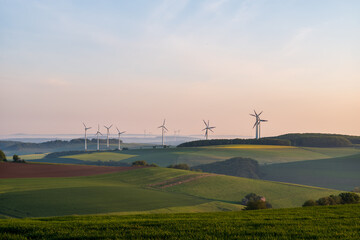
column 16, row 158
column 2, row 156
column 349, row 197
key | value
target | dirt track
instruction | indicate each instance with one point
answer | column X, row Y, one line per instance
column 32, row 170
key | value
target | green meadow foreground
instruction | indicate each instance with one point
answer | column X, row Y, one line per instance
column 146, row 190
column 330, row 222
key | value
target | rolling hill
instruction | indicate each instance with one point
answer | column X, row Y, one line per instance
column 142, row 190
column 193, row 156
column 341, row 173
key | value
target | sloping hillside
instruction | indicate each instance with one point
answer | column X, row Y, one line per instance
column 341, row 173
column 141, row 190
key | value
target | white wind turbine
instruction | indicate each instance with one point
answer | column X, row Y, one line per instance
column 257, row 123
column 86, row 128
column 97, row 134
column 108, row 133
column 119, row 133
column 163, row 129
column 207, row 129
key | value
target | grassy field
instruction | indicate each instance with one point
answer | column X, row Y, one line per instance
column 202, row 155
column 129, row 191
column 33, row 156
column 100, row 156
column 338, row 173
column 333, row 222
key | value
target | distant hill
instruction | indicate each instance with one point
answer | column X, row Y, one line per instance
column 16, row 147
column 293, row 139
column 239, row 167
column 320, row 139
column 212, row 142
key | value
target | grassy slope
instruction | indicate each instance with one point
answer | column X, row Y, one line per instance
column 333, row 222
column 128, row 191
column 201, row 155
column 233, row 189
column 337, row 173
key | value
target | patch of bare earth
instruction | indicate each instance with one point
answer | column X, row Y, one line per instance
column 33, row 170
column 179, row 180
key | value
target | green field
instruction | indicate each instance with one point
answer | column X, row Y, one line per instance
column 33, row 156
column 100, row 156
column 202, row 155
column 338, row 173
column 129, row 191
column 333, row 222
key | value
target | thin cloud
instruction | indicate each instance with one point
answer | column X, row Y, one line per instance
column 295, row 44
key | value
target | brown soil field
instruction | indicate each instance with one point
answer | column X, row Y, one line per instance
column 33, row 170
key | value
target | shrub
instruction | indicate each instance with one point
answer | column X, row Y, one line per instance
column 182, row 166
column 331, row 200
column 153, row 165
column 140, row 163
column 309, row 203
column 342, row 198
column 356, row 189
column 2, row 156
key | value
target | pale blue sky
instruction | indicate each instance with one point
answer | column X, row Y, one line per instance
column 132, row 63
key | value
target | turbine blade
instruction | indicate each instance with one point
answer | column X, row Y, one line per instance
column 84, row 125
column 123, row 132
column 252, row 115
column 110, row 126
column 164, row 122
column 117, row 129
column 211, row 130
column 166, row 128
column 260, row 113
column 204, row 122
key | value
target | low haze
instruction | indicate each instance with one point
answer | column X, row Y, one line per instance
column 134, row 63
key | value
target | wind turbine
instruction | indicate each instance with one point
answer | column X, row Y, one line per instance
column 207, row 129
column 257, row 123
column 97, row 134
column 163, row 129
column 119, row 133
column 86, row 128
column 108, row 132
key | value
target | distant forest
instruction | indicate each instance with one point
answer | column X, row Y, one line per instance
column 294, row 139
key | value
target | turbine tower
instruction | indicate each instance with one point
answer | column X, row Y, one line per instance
column 257, row 123
column 108, row 133
column 261, row 120
column 97, row 134
column 163, row 129
column 119, row 133
column 207, row 129
column 86, row 128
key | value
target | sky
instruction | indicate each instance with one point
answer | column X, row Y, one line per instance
column 134, row 63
